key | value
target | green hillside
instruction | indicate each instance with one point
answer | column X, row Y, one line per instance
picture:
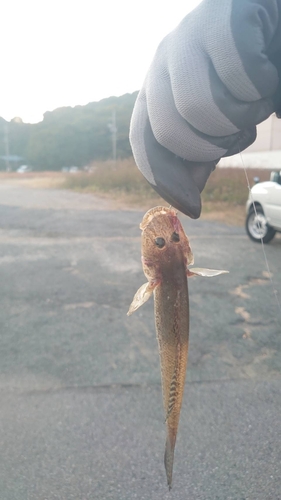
column 70, row 136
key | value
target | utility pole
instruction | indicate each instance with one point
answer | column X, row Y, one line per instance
column 113, row 129
column 7, row 148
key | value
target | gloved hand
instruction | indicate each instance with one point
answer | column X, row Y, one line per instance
column 210, row 83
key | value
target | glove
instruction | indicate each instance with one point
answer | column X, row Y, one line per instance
column 210, row 83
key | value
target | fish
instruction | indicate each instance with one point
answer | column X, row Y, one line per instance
column 166, row 257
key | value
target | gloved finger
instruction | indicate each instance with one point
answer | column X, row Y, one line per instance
column 245, row 139
column 179, row 182
column 178, row 136
column 243, row 114
column 206, row 103
column 173, row 132
column 183, row 68
column 239, row 49
column 137, row 126
column 175, row 180
column 200, row 172
column 168, row 174
column 201, row 96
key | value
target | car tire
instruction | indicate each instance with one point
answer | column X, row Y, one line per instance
column 257, row 227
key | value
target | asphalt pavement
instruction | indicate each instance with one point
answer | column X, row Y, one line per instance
column 81, row 412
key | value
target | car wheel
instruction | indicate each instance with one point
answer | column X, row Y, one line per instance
column 257, row 227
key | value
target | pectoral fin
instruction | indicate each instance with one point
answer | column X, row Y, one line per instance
column 141, row 296
column 198, row 271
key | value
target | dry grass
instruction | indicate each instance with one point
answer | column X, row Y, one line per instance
column 223, row 198
column 229, row 185
column 232, row 215
column 124, row 179
column 44, row 180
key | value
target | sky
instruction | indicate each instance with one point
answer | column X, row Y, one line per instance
column 69, row 52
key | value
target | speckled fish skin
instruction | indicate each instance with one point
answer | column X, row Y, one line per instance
column 171, row 306
column 166, row 255
column 171, row 309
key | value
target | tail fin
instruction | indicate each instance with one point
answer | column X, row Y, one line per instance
column 169, row 458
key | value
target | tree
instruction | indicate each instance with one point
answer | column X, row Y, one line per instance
column 72, row 136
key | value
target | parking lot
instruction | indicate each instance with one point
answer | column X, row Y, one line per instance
column 81, row 407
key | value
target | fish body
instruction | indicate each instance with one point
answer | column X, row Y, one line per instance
column 171, row 309
column 166, row 255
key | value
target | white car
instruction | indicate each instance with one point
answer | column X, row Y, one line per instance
column 262, row 223
column 23, row 169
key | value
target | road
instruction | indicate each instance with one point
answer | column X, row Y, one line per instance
column 81, row 408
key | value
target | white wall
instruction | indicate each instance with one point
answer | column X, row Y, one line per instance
column 269, row 136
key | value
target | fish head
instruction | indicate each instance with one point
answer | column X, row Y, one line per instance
column 163, row 241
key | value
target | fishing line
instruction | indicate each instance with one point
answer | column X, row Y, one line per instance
column 275, row 291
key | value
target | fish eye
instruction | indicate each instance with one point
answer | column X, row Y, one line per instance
column 160, row 242
column 175, row 237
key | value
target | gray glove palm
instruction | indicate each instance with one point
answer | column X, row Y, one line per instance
column 211, row 82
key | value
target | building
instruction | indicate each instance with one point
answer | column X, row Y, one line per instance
column 265, row 152
column 268, row 136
